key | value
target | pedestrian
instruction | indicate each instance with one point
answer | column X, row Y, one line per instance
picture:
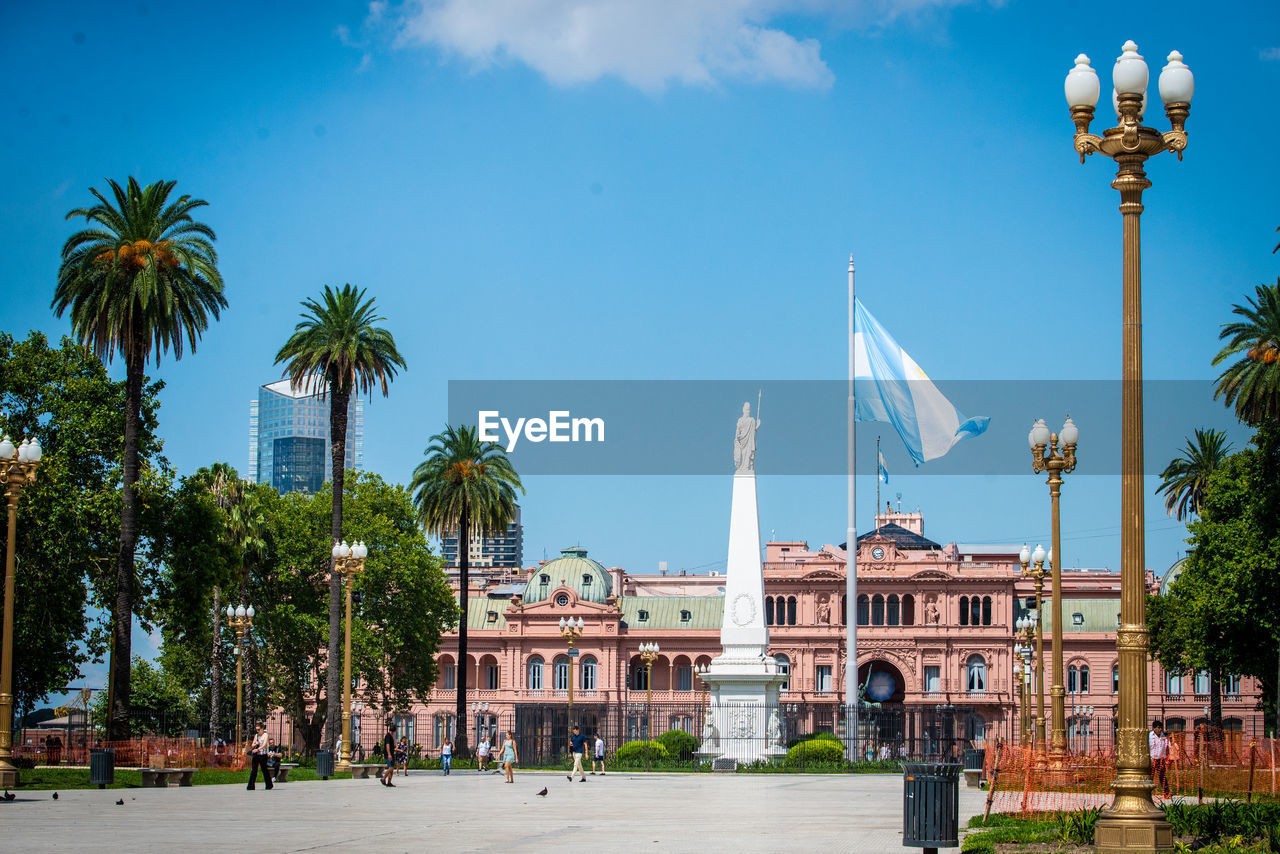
column 260, row 755
column 482, row 754
column 509, row 756
column 886, row 752
column 402, row 756
column 578, row 747
column 274, row 755
column 389, row 756
column 446, row 755
column 1159, row 743
column 597, row 755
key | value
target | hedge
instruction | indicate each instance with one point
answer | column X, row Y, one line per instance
column 814, row 751
column 641, row 751
column 679, row 744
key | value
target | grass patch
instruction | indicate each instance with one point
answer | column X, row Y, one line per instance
column 1004, row 829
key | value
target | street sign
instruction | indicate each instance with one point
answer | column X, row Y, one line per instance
column 573, row 653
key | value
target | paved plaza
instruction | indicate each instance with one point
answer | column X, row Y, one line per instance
column 471, row 812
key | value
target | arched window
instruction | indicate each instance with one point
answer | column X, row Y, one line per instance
column 1084, row 679
column 639, row 675
column 877, row 610
column 448, row 674
column 784, row 669
column 791, row 610
column 986, row 610
column 535, row 673
column 864, row 609
column 976, row 674
column 894, row 615
column 1072, row 674
column 684, row 675
column 768, row 610
column 975, row 611
column 844, row 610
column 560, row 673
column 1115, row 679
column 908, row 610
column 780, row 615
column 587, row 673
column 964, row 610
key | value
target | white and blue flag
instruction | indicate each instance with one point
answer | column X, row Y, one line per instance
column 883, row 470
column 890, row 386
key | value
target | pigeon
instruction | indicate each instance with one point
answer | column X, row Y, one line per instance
column 120, row 802
column 9, row 796
column 55, row 796
column 543, row 793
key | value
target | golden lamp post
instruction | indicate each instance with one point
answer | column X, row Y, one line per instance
column 648, row 652
column 571, row 631
column 349, row 560
column 1025, row 652
column 1033, row 568
column 1056, row 454
column 17, row 469
column 1024, row 709
column 701, row 671
column 1132, row 823
column 240, row 618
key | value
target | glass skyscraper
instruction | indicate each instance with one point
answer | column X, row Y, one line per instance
column 503, row 550
column 289, row 437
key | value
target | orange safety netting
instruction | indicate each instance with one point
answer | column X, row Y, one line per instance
column 149, row 752
column 1207, row 763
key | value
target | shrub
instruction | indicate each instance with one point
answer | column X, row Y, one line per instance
column 813, row 736
column 680, row 745
column 640, row 752
column 815, row 751
column 1078, row 826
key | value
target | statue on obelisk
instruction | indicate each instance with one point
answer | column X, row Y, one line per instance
column 744, row 439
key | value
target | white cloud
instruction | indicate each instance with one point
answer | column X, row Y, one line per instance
column 648, row 44
column 1271, row 54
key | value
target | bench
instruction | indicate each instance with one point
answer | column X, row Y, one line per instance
column 282, row 771
column 159, row 778
column 973, row 777
column 363, row 772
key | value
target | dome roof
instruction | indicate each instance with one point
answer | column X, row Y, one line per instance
column 1171, row 575
column 588, row 578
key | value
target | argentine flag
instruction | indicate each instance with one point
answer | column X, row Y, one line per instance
column 890, row 386
column 883, row 470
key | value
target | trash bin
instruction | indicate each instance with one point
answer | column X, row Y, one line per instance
column 931, row 805
column 974, row 758
column 102, row 767
column 324, row 764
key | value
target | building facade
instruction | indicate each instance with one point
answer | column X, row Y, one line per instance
column 935, row 646
column 289, row 445
column 501, row 551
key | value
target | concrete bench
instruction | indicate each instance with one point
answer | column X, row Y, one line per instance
column 282, row 772
column 159, row 778
column 363, row 772
column 973, row 777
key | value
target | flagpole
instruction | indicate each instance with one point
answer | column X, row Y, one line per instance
column 851, row 565
column 876, row 517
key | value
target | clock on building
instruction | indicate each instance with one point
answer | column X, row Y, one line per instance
column 877, row 553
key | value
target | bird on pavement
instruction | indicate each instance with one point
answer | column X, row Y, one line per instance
column 543, row 793
column 55, row 796
column 120, row 802
column 9, row 796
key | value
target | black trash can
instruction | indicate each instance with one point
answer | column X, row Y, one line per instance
column 931, row 804
column 324, row 764
column 974, row 758
column 102, row 767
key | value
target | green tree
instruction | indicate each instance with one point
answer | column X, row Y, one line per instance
column 141, row 279
column 1252, row 383
column 69, row 517
column 161, row 705
column 468, row 487
column 339, row 346
column 1186, row 476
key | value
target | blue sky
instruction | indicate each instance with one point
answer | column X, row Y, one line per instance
column 586, row 190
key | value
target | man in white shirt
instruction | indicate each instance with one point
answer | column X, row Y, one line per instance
column 1159, row 744
column 597, row 756
column 482, row 753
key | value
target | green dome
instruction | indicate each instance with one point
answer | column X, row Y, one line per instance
column 572, row 569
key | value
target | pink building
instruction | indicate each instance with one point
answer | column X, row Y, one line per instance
column 935, row 639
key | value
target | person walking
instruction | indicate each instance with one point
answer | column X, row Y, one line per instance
column 389, row 756
column 446, row 755
column 597, row 756
column 509, row 756
column 578, row 747
column 260, row 755
column 1159, row 743
column 402, row 756
column 482, row 754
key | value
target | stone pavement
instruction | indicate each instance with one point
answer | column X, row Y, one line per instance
column 467, row 811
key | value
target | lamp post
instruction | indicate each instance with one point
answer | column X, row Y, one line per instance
column 1024, row 712
column 571, row 631
column 349, row 560
column 1033, row 568
column 17, row 469
column 700, row 671
column 1056, row 454
column 648, row 652
column 1026, row 687
column 239, row 618
column 1132, row 823
column 479, row 708
column 357, row 730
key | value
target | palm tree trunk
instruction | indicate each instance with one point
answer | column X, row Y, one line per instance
column 122, row 614
column 215, row 667
column 248, row 664
column 1215, row 697
column 464, row 588
column 338, row 399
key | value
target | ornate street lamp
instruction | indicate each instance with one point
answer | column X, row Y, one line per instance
column 349, row 560
column 648, row 652
column 1047, row 456
column 240, row 618
column 571, row 631
column 17, row 470
column 1033, row 568
column 1132, row 823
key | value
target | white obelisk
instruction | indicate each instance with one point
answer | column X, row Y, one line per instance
column 744, row 723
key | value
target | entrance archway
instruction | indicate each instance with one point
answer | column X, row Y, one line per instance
column 884, row 682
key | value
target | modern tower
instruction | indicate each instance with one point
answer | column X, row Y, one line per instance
column 505, row 550
column 289, row 437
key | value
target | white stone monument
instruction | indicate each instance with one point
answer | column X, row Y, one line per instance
column 743, row 681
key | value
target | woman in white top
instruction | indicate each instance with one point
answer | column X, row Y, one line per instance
column 260, row 754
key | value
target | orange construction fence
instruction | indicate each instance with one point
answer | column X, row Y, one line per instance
column 147, row 752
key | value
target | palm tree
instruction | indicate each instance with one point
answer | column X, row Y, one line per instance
column 246, row 529
column 1252, row 383
column 141, row 279
column 339, row 347
column 1186, row 477
column 464, row 486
